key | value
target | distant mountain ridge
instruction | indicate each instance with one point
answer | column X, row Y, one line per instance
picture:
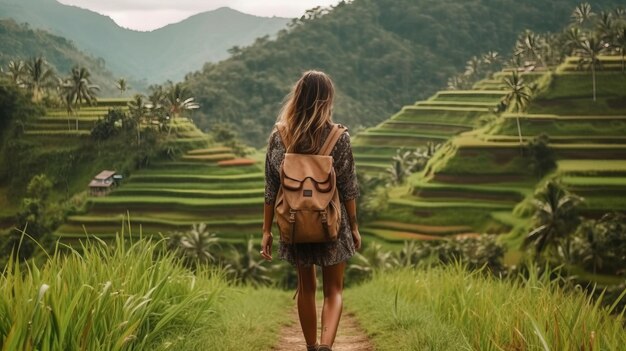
column 166, row 53
column 21, row 42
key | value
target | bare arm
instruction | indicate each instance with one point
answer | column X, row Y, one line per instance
column 266, row 242
column 354, row 225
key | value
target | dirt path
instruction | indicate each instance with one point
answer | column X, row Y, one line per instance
column 350, row 336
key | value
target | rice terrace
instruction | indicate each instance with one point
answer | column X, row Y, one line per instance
column 489, row 143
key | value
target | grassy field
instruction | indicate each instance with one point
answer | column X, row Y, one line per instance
column 132, row 296
column 451, row 309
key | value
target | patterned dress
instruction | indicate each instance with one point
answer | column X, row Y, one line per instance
column 321, row 254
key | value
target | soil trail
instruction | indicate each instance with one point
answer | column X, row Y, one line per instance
column 350, row 336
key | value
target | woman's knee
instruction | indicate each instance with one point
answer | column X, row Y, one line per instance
column 308, row 280
column 333, row 280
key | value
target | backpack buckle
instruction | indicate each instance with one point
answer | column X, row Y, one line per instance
column 292, row 216
column 324, row 217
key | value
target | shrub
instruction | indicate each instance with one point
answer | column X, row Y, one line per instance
column 599, row 245
column 542, row 158
column 108, row 126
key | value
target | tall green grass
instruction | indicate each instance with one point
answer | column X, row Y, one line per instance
column 450, row 309
column 115, row 296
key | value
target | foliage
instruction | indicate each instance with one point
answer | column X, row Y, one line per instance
column 517, row 97
column 199, row 247
column 373, row 196
column 226, row 134
column 138, row 109
column 599, row 245
column 20, row 41
column 475, row 253
column 122, row 85
column 39, row 77
column 178, row 101
column 397, row 51
column 555, row 220
column 541, row 156
column 15, row 110
column 449, row 308
column 78, row 89
column 110, row 125
column 37, row 216
column 123, row 296
column 407, row 162
column 476, row 68
column 195, row 246
column 245, row 266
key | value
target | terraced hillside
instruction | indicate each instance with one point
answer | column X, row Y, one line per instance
column 436, row 120
column 58, row 123
column 476, row 181
column 206, row 185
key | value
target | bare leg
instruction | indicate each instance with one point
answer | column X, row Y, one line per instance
column 307, row 311
column 333, row 304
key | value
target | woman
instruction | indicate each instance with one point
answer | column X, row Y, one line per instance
column 307, row 114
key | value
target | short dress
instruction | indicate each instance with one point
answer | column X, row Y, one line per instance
column 321, row 254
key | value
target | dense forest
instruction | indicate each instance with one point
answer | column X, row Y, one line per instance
column 21, row 42
column 382, row 54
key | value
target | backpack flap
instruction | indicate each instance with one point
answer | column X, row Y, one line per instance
column 307, row 181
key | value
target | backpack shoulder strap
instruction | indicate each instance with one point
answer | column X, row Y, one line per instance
column 331, row 139
column 282, row 130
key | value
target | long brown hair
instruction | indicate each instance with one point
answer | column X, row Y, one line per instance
column 306, row 111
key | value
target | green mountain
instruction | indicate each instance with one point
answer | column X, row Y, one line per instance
column 381, row 53
column 166, row 53
column 20, row 42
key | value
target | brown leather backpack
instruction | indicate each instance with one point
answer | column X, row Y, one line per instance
column 307, row 204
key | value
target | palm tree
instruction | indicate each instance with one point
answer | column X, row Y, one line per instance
column 248, row 267
column 402, row 167
column 78, row 89
column 582, row 14
column 17, row 71
column 573, row 38
column 122, row 85
column 459, row 82
column 138, row 109
column 65, row 93
column 474, row 67
column 606, row 26
column 373, row 258
column 39, row 77
column 620, row 45
column 177, row 100
column 589, row 51
column 530, row 44
column 517, row 97
column 492, row 60
column 197, row 244
column 555, row 218
column 156, row 100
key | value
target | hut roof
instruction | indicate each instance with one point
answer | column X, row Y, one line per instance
column 104, row 175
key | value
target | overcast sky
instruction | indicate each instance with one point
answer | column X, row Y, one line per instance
column 152, row 14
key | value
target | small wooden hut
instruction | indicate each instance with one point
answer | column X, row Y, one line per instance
column 102, row 184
